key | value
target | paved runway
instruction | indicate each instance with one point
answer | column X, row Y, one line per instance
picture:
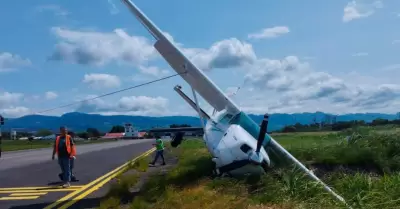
column 34, row 168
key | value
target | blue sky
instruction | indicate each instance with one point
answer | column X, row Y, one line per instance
column 287, row 56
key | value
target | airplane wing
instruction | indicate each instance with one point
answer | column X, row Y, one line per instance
column 182, row 65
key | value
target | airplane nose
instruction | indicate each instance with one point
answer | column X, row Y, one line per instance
column 255, row 157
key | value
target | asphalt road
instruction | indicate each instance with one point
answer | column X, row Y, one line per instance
column 34, row 168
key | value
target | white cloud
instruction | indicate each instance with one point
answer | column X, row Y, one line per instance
column 276, row 74
column 360, row 54
column 153, row 71
column 232, row 91
column 9, row 104
column 357, row 9
column 288, row 84
column 10, row 62
column 98, row 81
column 7, row 98
column 97, row 48
column 292, row 85
column 15, row 111
column 51, row 95
column 270, row 32
column 222, row 54
column 129, row 105
column 56, row 9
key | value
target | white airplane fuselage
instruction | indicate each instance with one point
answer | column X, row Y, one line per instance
column 231, row 142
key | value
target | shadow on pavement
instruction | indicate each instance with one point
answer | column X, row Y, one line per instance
column 55, row 183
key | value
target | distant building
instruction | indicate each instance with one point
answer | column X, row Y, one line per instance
column 113, row 136
column 141, row 134
column 130, row 131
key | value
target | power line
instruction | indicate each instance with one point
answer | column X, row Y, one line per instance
column 108, row 94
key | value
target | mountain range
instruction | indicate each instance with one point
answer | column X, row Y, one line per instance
column 76, row 121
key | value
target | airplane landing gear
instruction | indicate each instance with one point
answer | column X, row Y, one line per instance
column 216, row 172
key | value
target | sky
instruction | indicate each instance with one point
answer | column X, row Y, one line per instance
column 270, row 56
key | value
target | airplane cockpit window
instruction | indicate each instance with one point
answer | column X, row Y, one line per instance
column 226, row 118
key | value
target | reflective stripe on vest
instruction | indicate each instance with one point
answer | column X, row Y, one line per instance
column 70, row 150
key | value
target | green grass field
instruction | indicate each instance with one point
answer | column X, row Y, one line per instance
column 363, row 170
column 14, row 145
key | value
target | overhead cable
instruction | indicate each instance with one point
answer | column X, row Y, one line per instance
column 107, row 94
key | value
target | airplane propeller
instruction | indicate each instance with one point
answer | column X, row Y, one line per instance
column 263, row 131
column 255, row 156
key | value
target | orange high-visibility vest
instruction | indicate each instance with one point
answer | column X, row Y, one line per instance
column 70, row 149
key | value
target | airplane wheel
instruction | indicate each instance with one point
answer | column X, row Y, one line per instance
column 215, row 171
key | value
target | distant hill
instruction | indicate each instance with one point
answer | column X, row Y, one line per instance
column 80, row 121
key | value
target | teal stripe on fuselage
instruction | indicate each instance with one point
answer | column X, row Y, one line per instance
column 249, row 125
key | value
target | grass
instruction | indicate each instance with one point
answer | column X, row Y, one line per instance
column 364, row 170
column 120, row 190
column 14, row 145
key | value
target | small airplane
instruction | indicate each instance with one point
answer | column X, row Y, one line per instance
column 236, row 142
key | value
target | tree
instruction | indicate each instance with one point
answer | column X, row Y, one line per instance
column 117, row 129
column 83, row 135
column 92, row 132
column 148, row 135
column 342, row 125
column 179, row 125
column 44, row 132
column 379, row 121
column 288, row 129
column 71, row 133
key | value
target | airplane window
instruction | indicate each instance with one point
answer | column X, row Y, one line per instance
column 245, row 148
column 226, row 118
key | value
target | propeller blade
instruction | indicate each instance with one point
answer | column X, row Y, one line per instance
column 263, row 131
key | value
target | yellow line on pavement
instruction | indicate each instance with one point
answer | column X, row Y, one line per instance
column 41, row 190
column 38, row 188
column 20, row 198
column 28, row 194
column 93, row 183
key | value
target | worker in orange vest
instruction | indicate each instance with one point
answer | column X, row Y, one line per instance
column 64, row 146
column 72, row 162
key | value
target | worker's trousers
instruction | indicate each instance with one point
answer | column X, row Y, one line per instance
column 159, row 153
column 65, row 165
column 72, row 161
